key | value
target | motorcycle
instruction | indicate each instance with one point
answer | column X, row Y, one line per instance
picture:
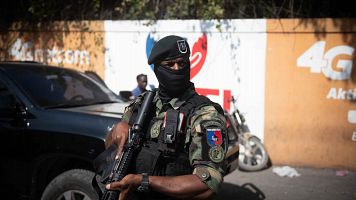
column 253, row 155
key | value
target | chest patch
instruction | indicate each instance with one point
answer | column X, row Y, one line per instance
column 156, row 128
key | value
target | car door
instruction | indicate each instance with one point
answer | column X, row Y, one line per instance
column 13, row 167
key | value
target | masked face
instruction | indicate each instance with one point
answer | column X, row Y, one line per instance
column 173, row 76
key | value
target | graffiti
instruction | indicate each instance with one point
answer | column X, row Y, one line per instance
column 26, row 52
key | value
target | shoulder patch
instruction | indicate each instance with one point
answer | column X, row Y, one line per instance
column 214, row 137
column 216, row 154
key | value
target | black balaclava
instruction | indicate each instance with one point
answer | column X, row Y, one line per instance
column 172, row 83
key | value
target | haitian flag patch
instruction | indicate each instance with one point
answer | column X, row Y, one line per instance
column 214, row 137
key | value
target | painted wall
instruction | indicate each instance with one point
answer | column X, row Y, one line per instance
column 78, row 45
column 311, row 92
column 293, row 79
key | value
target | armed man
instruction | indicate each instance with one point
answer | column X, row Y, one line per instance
column 183, row 154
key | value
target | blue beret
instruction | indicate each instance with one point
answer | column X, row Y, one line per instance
column 167, row 48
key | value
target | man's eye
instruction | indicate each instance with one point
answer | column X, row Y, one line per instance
column 171, row 64
column 182, row 63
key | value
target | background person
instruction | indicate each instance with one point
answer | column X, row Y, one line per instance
column 141, row 85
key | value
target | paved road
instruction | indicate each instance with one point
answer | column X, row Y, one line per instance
column 312, row 184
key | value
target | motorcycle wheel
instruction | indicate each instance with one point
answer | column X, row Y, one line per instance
column 253, row 158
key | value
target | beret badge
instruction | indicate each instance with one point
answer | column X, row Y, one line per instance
column 182, row 47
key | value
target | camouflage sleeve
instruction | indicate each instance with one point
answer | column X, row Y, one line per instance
column 130, row 109
column 127, row 114
column 208, row 147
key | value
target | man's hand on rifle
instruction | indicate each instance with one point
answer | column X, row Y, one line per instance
column 118, row 135
column 127, row 185
column 180, row 187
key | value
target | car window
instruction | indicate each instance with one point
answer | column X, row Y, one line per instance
column 55, row 87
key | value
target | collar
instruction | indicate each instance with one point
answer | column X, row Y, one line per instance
column 174, row 103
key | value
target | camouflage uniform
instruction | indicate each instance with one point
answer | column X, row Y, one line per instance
column 206, row 155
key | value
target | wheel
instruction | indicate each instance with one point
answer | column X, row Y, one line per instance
column 253, row 156
column 74, row 184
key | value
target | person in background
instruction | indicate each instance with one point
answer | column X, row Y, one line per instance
column 141, row 85
column 183, row 156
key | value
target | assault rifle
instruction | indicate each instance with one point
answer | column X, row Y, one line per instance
column 136, row 135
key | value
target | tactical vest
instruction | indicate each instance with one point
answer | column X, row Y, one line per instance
column 165, row 153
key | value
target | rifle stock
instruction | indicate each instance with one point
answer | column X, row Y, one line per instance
column 136, row 135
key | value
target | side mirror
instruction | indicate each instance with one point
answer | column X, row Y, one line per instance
column 126, row 95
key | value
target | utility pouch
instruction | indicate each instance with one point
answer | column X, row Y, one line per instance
column 169, row 137
column 170, row 125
